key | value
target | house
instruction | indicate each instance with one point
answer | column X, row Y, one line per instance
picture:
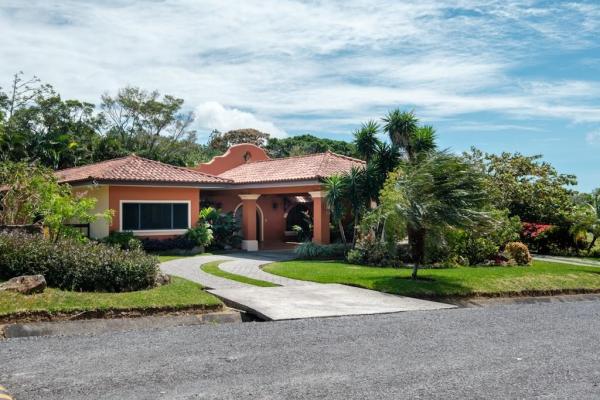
column 153, row 199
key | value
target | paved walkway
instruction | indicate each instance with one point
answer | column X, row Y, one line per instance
column 292, row 299
column 246, row 264
column 584, row 262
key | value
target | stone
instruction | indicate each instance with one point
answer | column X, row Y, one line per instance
column 162, row 279
column 26, row 284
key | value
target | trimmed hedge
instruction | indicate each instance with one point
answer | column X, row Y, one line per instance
column 312, row 251
column 74, row 265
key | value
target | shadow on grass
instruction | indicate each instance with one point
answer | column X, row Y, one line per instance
column 425, row 288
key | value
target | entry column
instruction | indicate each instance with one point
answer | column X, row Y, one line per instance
column 321, row 234
column 250, row 241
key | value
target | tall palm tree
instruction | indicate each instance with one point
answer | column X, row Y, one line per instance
column 335, row 195
column 423, row 140
column 366, row 140
column 401, row 128
column 440, row 190
column 354, row 194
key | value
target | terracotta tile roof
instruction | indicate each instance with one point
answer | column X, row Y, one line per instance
column 314, row 166
column 135, row 169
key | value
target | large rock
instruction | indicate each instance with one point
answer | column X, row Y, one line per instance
column 26, row 284
column 162, row 279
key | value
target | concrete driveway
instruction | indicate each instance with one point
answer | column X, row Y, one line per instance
column 293, row 299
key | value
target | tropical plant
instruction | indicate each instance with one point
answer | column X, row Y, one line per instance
column 442, row 190
column 225, row 227
column 401, row 128
column 335, row 195
column 365, row 140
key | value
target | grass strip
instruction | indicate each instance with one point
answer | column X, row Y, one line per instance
column 213, row 269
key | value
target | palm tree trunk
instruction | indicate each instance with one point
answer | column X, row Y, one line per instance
column 416, row 241
column 342, row 233
column 593, row 243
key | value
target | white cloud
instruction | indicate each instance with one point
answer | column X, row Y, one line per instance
column 303, row 66
column 212, row 115
column 593, row 137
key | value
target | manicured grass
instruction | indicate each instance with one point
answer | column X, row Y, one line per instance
column 179, row 294
column 163, row 258
column 541, row 278
column 213, row 268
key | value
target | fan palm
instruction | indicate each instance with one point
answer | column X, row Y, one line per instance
column 366, row 140
column 401, row 128
column 335, row 194
column 440, row 191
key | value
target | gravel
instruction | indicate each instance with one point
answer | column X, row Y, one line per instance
column 545, row 351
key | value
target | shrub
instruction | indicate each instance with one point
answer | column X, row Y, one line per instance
column 73, row 265
column 313, row 251
column 225, row 227
column 201, row 234
column 518, row 252
column 371, row 251
column 176, row 243
column 123, row 240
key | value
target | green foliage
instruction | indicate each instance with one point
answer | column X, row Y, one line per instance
column 526, row 186
column 74, row 265
column 371, row 251
column 33, row 195
column 201, row 234
column 220, row 142
column 224, row 226
column 308, row 144
column 313, row 251
column 366, row 141
column 519, row 252
column 123, row 240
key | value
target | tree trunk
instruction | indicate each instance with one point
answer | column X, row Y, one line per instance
column 416, row 241
column 591, row 246
column 354, row 231
column 342, row 233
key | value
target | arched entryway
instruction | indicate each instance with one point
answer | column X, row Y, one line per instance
column 260, row 232
column 299, row 215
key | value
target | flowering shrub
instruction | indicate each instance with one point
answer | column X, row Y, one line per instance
column 518, row 252
column 74, row 265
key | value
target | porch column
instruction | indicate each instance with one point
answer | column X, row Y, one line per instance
column 320, row 218
column 250, row 241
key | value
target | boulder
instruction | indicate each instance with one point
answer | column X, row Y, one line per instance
column 162, row 279
column 26, row 284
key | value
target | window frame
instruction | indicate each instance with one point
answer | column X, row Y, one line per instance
column 150, row 232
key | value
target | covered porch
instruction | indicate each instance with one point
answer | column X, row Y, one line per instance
column 275, row 218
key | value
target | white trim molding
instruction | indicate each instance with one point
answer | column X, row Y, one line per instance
column 320, row 193
column 156, row 232
column 249, row 196
column 250, row 245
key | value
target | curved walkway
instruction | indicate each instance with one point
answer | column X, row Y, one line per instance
column 584, row 262
column 245, row 264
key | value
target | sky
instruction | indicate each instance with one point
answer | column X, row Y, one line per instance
column 500, row 75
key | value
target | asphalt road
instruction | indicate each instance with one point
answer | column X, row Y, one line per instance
column 511, row 351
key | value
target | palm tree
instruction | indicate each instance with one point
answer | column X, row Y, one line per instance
column 385, row 160
column 440, row 190
column 423, row 140
column 366, row 140
column 335, row 194
column 354, row 194
column 401, row 128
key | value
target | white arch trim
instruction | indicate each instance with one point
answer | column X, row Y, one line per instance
column 262, row 219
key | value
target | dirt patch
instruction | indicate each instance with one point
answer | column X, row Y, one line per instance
column 40, row 316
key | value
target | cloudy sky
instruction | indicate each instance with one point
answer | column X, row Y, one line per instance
column 501, row 75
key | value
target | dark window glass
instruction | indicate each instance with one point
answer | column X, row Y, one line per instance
column 180, row 216
column 131, row 217
column 155, row 216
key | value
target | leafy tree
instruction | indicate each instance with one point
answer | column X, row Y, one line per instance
column 365, row 140
column 220, row 142
column 526, row 186
column 32, row 194
column 586, row 218
column 442, row 190
column 308, row 144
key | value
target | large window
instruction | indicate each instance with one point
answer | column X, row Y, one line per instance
column 154, row 216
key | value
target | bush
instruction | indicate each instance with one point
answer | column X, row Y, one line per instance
column 313, row 251
column 176, row 243
column 123, row 240
column 201, row 234
column 73, row 265
column 225, row 227
column 371, row 251
column 518, row 252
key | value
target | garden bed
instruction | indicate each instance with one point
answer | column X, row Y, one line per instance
column 541, row 279
column 54, row 304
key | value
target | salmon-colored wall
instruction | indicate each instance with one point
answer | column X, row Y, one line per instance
column 233, row 158
column 118, row 193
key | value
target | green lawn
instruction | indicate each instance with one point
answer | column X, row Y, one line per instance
column 213, row 268
column 179, row 294
column 541, row 278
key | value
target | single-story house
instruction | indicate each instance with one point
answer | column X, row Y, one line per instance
column 270, row 196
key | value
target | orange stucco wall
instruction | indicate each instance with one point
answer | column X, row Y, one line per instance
column 118, row 193
column 235, row 156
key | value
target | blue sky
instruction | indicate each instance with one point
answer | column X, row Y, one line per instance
column 505, row 75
